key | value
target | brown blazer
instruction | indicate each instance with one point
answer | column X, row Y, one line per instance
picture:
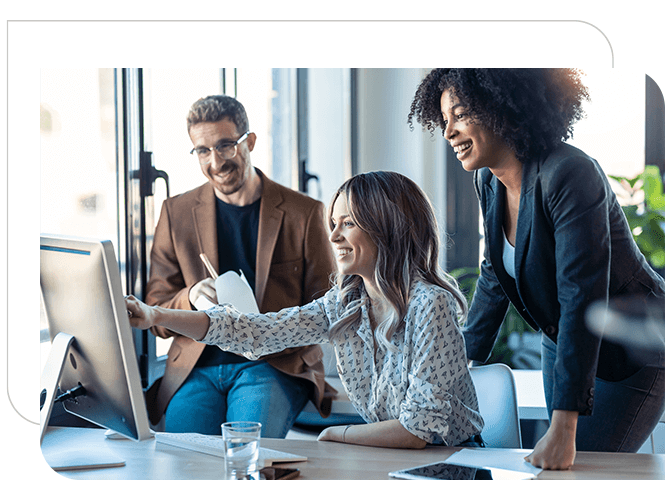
column 293, row 265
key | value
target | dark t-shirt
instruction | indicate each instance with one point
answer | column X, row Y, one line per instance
column 237, row 230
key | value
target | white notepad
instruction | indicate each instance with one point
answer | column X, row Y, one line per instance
column 74, row 459
column 499, row 458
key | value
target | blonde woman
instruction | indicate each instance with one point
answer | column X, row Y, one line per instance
column 392, row 317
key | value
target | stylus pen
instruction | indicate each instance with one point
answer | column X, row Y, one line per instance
column 208, row 265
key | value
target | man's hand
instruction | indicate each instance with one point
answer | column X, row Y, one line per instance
column 204, row 288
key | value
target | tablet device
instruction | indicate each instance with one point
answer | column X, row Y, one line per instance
column 451, row 472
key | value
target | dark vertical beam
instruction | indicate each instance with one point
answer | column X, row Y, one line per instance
column 462, row 216
column 355, row 169
column 303, row 133
column 654, row 126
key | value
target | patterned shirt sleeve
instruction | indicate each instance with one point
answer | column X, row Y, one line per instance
column 254, row 335
column 440, row 404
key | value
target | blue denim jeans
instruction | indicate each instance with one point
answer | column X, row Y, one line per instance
column 249, row 391
column 624, row 413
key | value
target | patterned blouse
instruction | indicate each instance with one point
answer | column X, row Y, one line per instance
column 425, row 384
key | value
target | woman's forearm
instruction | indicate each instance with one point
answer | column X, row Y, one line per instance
column 387, row 434
column 193, row 324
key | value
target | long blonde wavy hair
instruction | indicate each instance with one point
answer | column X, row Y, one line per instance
column 399, row 218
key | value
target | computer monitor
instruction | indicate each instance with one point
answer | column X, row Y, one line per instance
column 92, row 341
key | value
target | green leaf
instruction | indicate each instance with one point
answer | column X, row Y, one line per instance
column 647, row 221
column 657, row 259
column 654, row 196
column 626, row 180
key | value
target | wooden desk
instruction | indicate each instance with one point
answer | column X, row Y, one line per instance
column 327, row 460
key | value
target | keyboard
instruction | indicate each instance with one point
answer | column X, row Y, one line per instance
column 213, row 445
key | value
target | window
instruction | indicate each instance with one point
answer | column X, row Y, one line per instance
column 614, row 127
column 77, row 134
column 78, row 177
column 328, row 140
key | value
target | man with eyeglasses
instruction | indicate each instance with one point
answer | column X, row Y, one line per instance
column 240, row 220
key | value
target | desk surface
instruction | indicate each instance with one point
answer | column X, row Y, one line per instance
column 327, row 460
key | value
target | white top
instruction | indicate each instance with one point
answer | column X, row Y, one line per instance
column 426, row 384
column 508, row 256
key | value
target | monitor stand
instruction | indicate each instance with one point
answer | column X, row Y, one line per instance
column 60, row 348
column 63, row 455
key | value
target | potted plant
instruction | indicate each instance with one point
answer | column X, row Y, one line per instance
column 642, row 199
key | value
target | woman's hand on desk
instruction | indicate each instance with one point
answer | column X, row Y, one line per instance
column 335, row 433
column 386, row 434
column 556, row 450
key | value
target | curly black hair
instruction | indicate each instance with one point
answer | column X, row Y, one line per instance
column 532, row 110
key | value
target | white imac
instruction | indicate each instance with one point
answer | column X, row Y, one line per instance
column 92, row 342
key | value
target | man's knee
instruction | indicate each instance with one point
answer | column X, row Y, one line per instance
column 269, row 396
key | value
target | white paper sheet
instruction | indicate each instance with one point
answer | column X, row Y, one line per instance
column 231, row 288
column 500, row 458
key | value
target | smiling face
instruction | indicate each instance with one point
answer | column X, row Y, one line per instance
column 355, row 252
column 228, row 177
column 475, row 146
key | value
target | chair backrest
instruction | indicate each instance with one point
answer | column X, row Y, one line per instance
column 496, row 393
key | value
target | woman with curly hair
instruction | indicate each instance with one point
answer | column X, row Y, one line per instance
column 392, row 317
column 556, row 240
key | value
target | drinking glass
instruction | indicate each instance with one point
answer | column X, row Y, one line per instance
column 242, row 444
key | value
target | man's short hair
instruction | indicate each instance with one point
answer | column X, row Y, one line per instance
column 215, row 108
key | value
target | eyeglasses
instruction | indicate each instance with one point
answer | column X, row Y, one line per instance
column 224, row 150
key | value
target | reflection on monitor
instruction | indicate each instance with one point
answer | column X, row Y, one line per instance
column 83, row 299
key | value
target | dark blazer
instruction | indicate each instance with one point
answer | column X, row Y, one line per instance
column 293, row 266
column 573, row 247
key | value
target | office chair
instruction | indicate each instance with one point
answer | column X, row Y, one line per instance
column 496, row 392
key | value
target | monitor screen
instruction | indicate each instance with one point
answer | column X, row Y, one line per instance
column 82, row 297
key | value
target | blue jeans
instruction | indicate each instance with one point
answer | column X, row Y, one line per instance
column 249, row 391
column 624, row 413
